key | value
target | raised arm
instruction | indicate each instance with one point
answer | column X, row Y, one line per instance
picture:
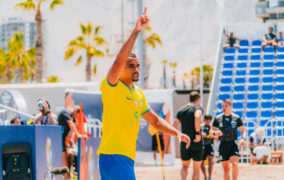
column 120, row 61
column 225, row 34
column 162, row 125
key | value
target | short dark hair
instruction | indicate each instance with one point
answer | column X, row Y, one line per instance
column 193, row 96
column 13, row 120
column 228, row 101
column 132, row 55
column 270, row 27
column 208, row 116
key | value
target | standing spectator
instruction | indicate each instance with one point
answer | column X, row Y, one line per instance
column 15, row 121
column 257, row 146
column 208, row 147
column 231, row 41
column 280, row 40
column 45, row 117
column 269, row 39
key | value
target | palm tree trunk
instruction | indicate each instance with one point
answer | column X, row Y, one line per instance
column 183, row 83
column 174, row 78
column 8, row 75
column 20, row 75
column 39, row 47
column 88, row 69
column 165, row 76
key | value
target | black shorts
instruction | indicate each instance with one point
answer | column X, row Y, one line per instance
column 195, row 151
column 227, row 150
column 155, row 143
column 208, row 151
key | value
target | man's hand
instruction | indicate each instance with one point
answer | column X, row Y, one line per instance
column 46, row 108
column 184, row 138
column 142, row 21
column 242, row 142
column 197, row 138
column 219, row 133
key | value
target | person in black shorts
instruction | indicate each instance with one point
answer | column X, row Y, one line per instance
column 269, row 39
column 67, row 120
column 190, row 118
column 228, row 123
column 231, row 41
column 155, row 146
column 208, row 141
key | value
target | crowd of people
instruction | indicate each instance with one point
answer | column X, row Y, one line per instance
column 269, row 39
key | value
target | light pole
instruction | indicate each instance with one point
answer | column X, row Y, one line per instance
column 200, row 51
column 141, row 47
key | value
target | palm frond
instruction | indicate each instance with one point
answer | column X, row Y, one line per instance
column 55, row 3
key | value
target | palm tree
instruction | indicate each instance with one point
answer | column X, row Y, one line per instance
column 185, row 76
column 207, row 77
column 174, row 66
column 36, row 5
column 164, row 62
column 150, row 39
column 90, row 41
column 3, row 65
column 20, row 59
column 53, row 79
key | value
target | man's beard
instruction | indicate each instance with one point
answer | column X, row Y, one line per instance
column 135, row 80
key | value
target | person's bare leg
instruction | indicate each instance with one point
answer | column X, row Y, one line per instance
column 236, row 46
column 65, row 164
column 226, row 168
column 235, row 169
column 263, row 45
column 203, row 169
column 210, row 166
column 196, row 170
column 265, row 158
column 225, row 46
column 184, row 169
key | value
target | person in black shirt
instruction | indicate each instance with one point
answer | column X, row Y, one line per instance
column 67, row 120
column 190, row 118
column 231, row 41
column 228, row 123
column 269, row 39
column 208, row 141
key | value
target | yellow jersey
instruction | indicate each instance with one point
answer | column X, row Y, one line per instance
column 122, row 108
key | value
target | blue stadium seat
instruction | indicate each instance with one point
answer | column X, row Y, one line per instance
column 244, row 43
column 239, row 113
column 222, row 97
column 264, row 122
column 255, row 65
column 241, row 72
column 280, row 72
column 243, row 50
column 268, row 57
column 238, row 105
column 249, row 124
column 256, row 43
column 252, row 105
column 229, row 58
column 238, row 97
column 267, row 80
column 279, row 96
column 227, row 73
column 255, row 58
column 268, row 64
column 253, row 88
column 219, row 106
column 267, row 88
column 280, row 57
column 268, row 49
column 255, row 50
column 280, row 49
column 225, row 89
column 218, row 113
column 254, row 80
column 266, row 114
column 254, row 72
column 252, row 97
column 280, row 64
column 279, row 114
column 242, row 58
column 230, row 50
column 239, row 89
column 251, row 114
column 279, row 88
column 280, row 80
column 241, row 65
column 279, row 105
column 226, row 81
column 267, row 96
column 228, row 65
column 250, row 131
column 267, row 72
column 240, row 80
column 266, row 105
column 268, row 132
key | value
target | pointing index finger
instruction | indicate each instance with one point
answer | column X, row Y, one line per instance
column 145, row 11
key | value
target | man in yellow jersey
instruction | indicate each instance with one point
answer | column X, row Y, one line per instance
column 123, row 104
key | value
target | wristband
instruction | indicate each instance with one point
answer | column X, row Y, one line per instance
column 198, row 133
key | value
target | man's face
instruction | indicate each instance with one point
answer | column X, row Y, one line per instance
column 226, row 107
column 270, row 30
column 207, row 122
column 132, row 69
column 231, row 34
column 17, row 122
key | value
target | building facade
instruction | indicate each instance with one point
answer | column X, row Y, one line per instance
column 270, row 14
